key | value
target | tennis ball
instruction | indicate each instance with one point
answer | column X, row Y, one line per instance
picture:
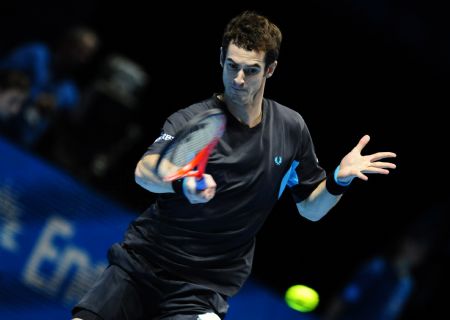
column 302, row 298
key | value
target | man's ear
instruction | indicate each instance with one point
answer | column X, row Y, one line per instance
column 221, row 56
column 271, row 69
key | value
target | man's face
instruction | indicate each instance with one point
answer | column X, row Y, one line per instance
column 80, row 51
column 243, row 74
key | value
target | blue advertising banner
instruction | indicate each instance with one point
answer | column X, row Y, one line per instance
column 54, row 235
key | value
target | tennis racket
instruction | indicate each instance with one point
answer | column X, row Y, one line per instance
column 187, row 154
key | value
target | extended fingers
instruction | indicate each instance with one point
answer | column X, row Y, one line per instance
column 385, row 165
column 376, row 170
column 381, row 155
column 362, row 143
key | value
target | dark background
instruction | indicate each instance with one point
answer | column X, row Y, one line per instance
column 349, row 67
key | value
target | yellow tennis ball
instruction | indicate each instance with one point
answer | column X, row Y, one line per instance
column 302, row 298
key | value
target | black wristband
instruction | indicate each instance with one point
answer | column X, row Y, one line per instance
column 333, row 187
column 177, row 186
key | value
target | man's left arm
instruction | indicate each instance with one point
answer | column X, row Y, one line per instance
column 353, row 165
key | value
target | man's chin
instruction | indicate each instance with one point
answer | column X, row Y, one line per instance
column 239, row 95
column 239, row 99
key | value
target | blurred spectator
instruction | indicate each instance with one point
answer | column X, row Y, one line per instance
column 52, row 78
column 14, row 89
column 382, row 287
column 106, row 126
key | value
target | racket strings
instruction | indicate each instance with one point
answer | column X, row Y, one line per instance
column 194, row 141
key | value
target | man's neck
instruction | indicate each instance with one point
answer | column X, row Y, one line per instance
column 248, row 114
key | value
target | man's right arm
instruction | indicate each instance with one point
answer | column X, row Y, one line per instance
column 145, row 177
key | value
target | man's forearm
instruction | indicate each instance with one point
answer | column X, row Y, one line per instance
column 319, row 202
column 145, row 177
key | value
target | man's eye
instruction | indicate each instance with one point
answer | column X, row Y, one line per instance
column 251, row 71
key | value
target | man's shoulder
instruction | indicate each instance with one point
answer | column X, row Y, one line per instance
column 33, row 48
column 205, row 104
column 196, row 108
column 284, row 113
column 26, row 54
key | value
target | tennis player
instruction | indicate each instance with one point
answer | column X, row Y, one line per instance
column 191, row 250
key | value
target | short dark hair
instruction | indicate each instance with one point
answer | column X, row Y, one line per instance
column 252, row 31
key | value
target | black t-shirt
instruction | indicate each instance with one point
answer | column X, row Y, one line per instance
column 213, row 243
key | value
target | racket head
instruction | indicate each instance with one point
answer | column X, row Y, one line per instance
column 187, row 154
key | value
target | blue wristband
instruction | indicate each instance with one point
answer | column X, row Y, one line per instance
column 341, row 183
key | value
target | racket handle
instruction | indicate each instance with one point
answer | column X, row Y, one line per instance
column 200, row 184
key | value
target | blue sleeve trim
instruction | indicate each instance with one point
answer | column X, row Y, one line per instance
column 290, row 178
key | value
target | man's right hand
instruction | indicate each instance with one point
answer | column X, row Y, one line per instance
column 193, row 195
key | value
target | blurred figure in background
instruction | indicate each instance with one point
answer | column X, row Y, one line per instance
column 95, row 140
column 51, row 72
column 14, row 89
column 383, row 287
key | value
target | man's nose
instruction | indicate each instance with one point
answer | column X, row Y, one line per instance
column 240, row 78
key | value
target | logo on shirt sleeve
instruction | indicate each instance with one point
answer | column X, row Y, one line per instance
column 164, row 137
